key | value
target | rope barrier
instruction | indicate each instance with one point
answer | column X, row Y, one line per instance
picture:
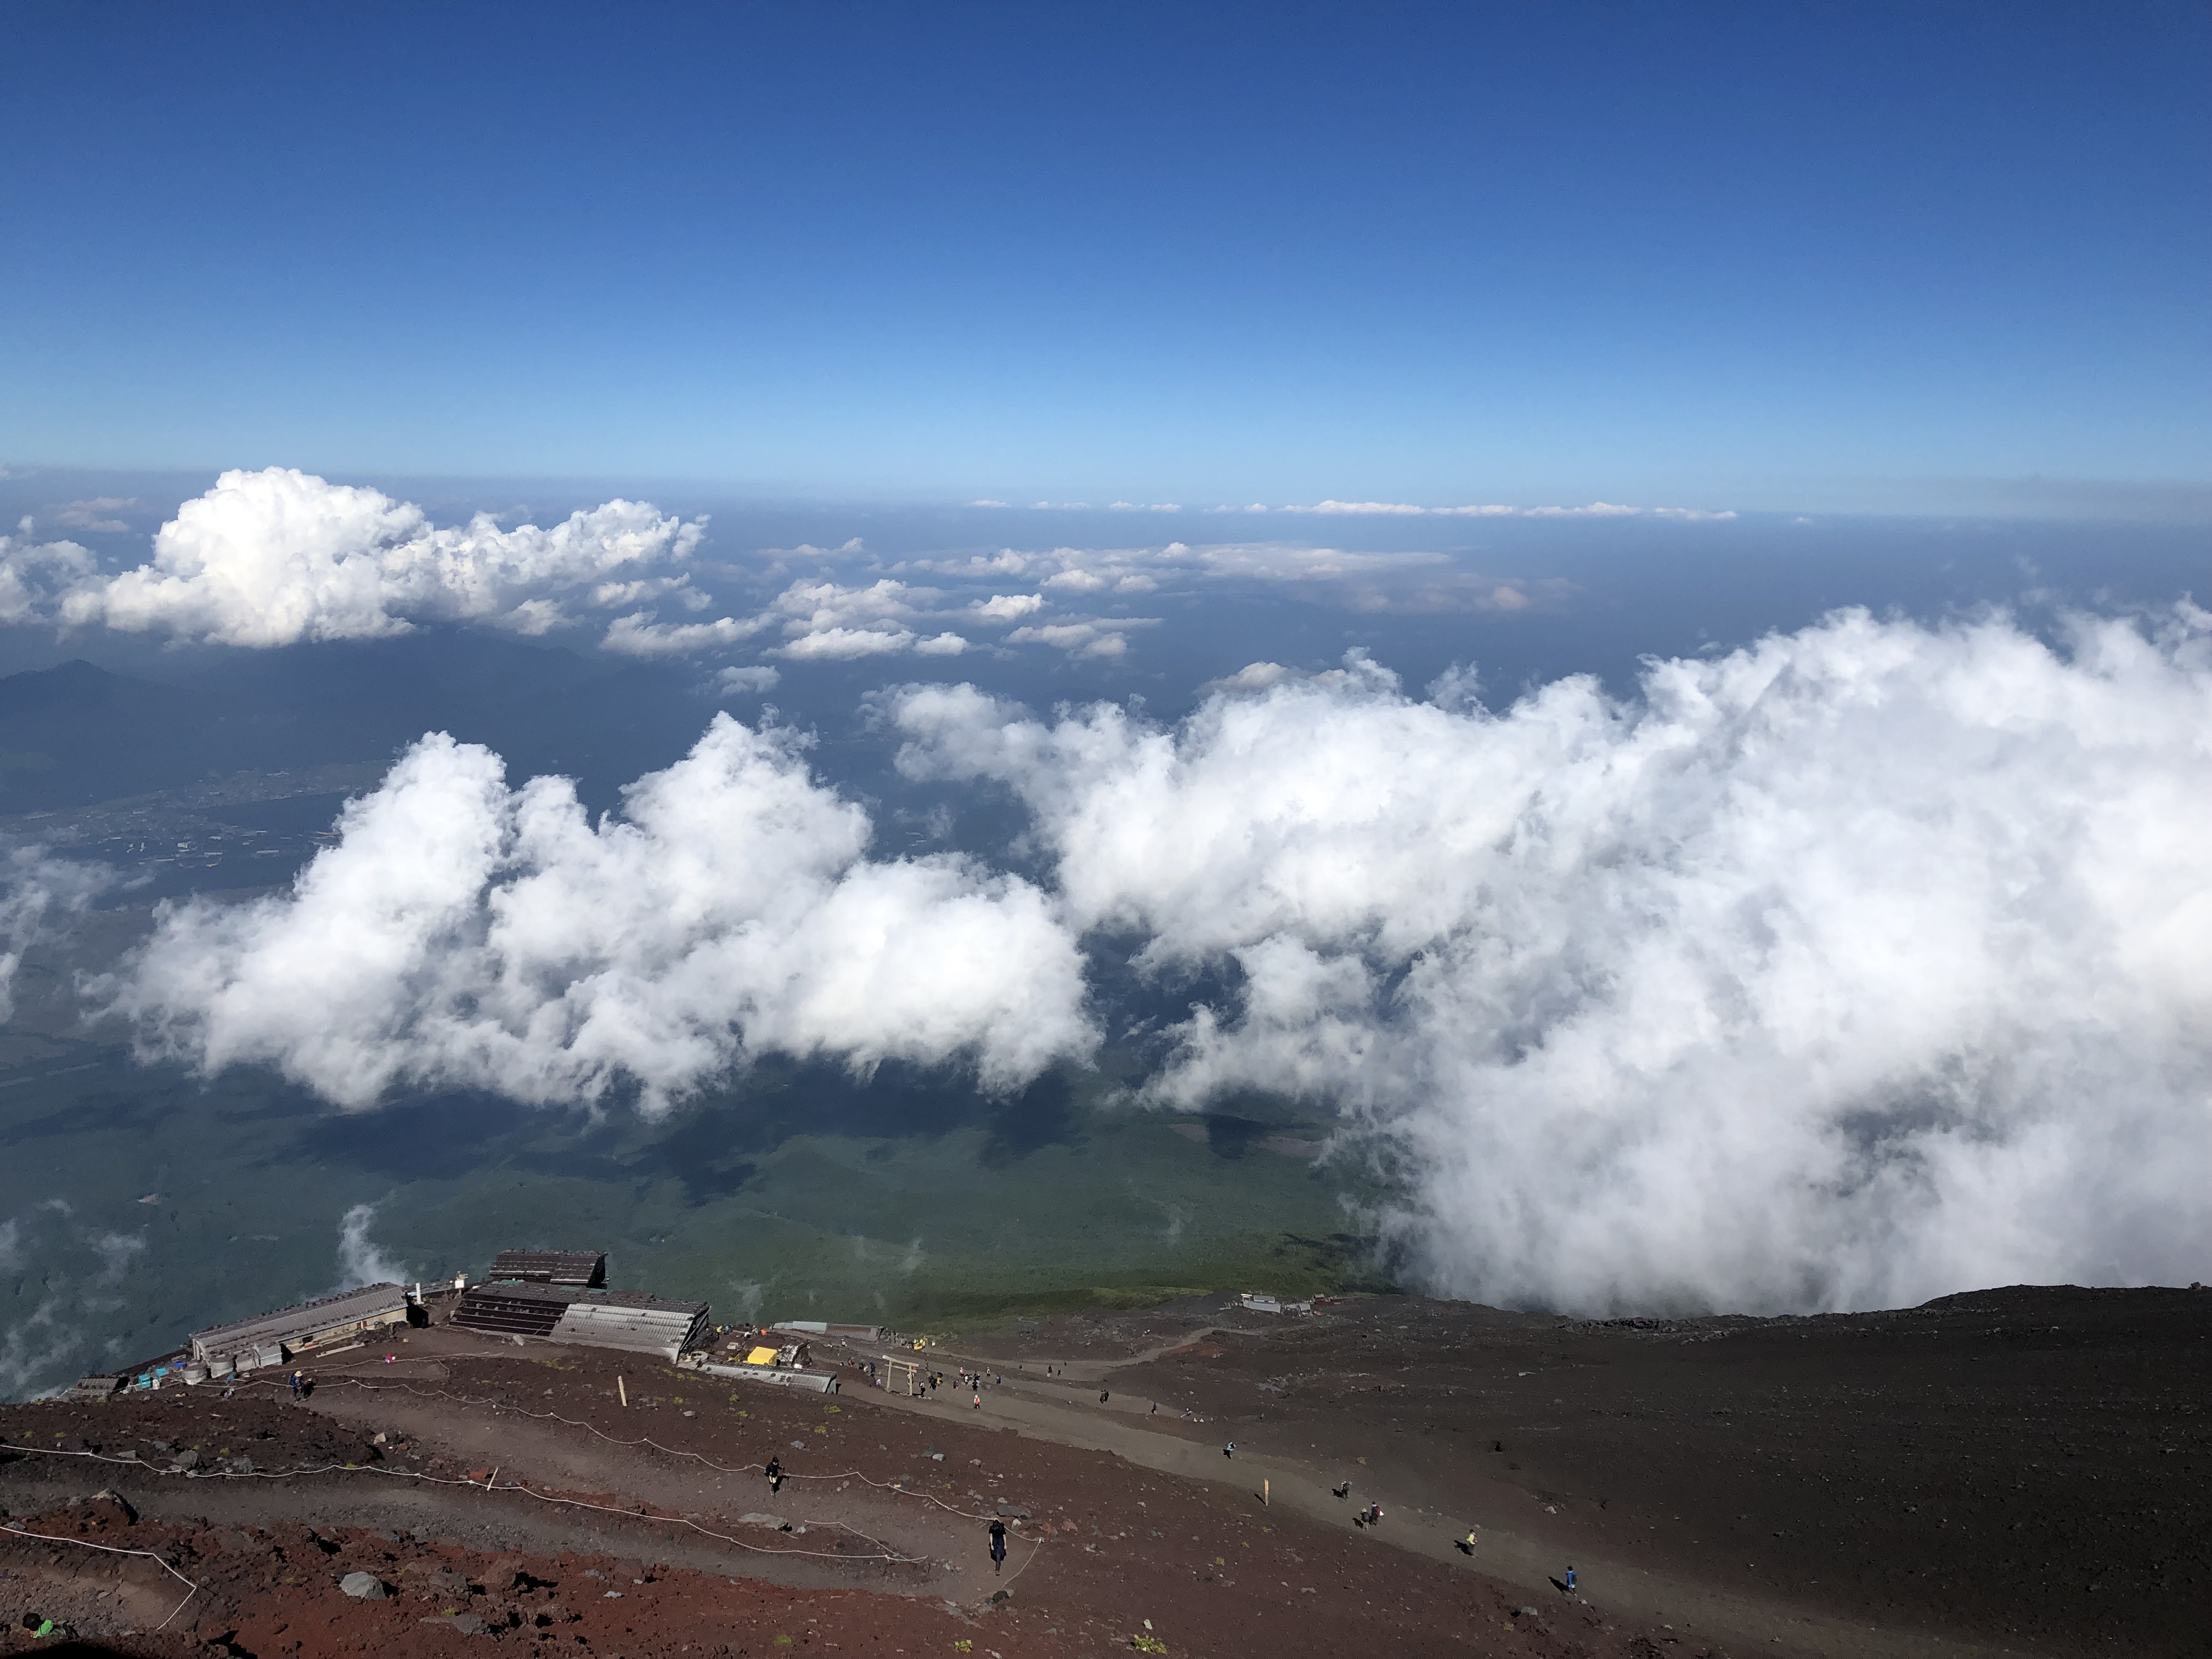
column 191, row 1589
column 451, row 1480
column 617, row 1440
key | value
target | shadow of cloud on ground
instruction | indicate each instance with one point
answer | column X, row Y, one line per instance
column 710, row 1147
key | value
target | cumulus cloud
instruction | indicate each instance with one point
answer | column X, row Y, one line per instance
column 279, row 557
column 824, row 622
column 1861, row 965
column 98, row 514
column 462, row 933
column 753, row 679
column 1252, row 676
column 638, row 635
column 33, row 575
column 1091, row 636
column 845, row 644
column 1008, row 607
column 37, row 893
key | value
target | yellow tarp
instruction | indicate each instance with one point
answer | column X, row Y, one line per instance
column 761, row 1356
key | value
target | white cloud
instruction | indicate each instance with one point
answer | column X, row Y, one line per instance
column 36, row 891
column 1399, row 510
column 73, row 1271
column 1860, row 965
column 825, row 621
column 1252, row 676
column 845, row 644
column 1075, row 580
column 755, row 678
column 1008, row 607
column 638, row 636
column 808, row 551
column 813, row 606
column 361, row 1261
column 462, row 933
column 35, row 575
column 278, row 556
column 1092, row 637
column 98, row 514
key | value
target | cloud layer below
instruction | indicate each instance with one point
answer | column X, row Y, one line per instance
column 279, row 557
column 1867, row 963
column 1864, row 963
column 465, row 934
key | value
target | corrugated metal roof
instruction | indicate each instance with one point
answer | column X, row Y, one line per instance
column 346, row 1307
column 493, row 1308
column 614, row 1319
column 664, row 1330
column 565, row 1294
column 584, row 1268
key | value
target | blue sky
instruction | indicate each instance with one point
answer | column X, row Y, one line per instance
column 1888, row 258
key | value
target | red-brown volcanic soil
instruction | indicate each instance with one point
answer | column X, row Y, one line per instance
column 2018, row 1471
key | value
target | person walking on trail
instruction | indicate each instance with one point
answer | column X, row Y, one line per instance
column 998, row 1544
column 295, row 1385
column 1571, row 1580
column 1343, row 1490
column 1374, row 1515
column 979, row 1401
column 774, row 1471
column 1229, row 1450
column 1101, row 1396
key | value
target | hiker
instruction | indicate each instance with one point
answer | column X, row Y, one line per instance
column 1571, row 1580
column 1467, row 1544
column 1101, row 1396
column 1229, row 1450
column 1374, row 1515
column 1343, row 1491
column 979, row 1401
column 774, row 1473
column 295, row 1385
column 1155, row 1411
column 998, row 1544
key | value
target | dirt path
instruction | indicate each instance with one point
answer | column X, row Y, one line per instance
column 560, row 1457
column 468, row 1517
column 1124, row 1425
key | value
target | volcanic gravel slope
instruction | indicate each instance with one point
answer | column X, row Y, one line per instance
column 892, row 1545
column 2026, row 1468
